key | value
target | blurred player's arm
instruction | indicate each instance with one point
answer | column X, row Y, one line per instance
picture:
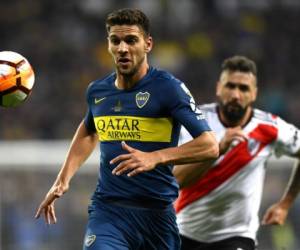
column 202, row 148
column 82, row 145
column 277, row 213
column 187, row 174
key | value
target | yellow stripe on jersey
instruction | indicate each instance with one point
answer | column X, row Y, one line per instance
column 132, row 128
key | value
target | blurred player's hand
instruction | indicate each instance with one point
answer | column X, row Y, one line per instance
column 133, row 163
column 47, row 206
column 275, row 215
column 232, row 136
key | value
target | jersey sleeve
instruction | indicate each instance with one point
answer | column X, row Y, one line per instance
column 288, row 141
column 89, row 121
column 88, row 118
column 183, row 108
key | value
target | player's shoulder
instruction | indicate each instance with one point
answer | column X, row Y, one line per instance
column 165, row 77
column 264, row 116
column 167, row 85
column 101, row 83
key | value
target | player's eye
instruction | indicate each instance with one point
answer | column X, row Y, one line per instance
column 131, row 40
column 114, row 40
column 230, row 85
column 243, row 88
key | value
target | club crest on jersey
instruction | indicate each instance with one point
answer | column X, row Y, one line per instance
column 141, row 99
column 253, row 146
column 89, row 240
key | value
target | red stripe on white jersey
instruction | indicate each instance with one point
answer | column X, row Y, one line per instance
column 263, row 133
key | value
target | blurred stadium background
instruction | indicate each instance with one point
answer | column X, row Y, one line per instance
column 65, row 41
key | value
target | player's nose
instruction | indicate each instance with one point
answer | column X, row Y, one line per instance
column 236, row 94
column 123, row 47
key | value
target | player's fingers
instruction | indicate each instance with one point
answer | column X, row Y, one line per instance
column 46, row 202
column 40, row 210
column 245, row 136
column 126, row 147
column 235, row 130
column 276, row 220
column 38, row 213
column 120, row 158
column 239, row 138
column 271, row 221
column 124, row 166
column 52, row 214
column 46, row 215
column 272, row 218
column 240, row 134
column 136, row 171
column 266, row 218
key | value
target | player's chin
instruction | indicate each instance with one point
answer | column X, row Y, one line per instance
column 126, row 70
column 234, row 106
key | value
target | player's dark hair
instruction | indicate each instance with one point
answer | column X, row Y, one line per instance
column 128, row 17
column 239, row 63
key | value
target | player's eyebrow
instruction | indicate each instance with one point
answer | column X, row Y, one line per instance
column 241, row 86
column 131, row 36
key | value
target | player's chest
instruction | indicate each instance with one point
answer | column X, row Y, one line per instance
column 131, row 103
column 136, row 116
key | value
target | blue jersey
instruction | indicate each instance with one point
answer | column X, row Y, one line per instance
column 147, row 117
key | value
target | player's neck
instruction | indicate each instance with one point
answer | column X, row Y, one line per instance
column 242, row 122
column 124, row 81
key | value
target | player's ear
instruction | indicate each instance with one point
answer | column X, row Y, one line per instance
column 108, row 45
column 253, row 88
column 148, row 44
column 254, row 94
column 218, row 88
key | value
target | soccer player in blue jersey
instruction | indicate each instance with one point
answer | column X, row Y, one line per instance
column 136, row 114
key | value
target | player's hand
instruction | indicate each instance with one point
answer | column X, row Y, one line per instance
column 47, row 206
column 232, row 136
column 133, row 163
column 275, row 215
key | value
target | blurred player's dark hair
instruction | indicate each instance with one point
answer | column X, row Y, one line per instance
column 239, row 63
column 128, row 17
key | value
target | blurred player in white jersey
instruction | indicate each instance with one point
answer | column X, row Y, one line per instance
column 218, row 205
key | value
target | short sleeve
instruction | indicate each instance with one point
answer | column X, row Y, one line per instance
column 183, row 108
column 88, row 118
column 89, row 121
column 288, row 141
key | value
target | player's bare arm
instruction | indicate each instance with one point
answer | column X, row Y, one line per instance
column 277, row 213
column 82, row 145
column 202, row 148
column 187, row 174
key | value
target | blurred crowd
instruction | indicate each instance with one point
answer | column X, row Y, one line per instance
column 65, row 41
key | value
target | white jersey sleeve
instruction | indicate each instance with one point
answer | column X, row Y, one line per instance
column 184, row 136
column 288, row 140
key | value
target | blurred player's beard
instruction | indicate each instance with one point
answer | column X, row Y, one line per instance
column 233, row 111
column 130, row 71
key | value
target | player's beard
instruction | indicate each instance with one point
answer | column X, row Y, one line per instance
column 233, row 111
column 127, row 73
